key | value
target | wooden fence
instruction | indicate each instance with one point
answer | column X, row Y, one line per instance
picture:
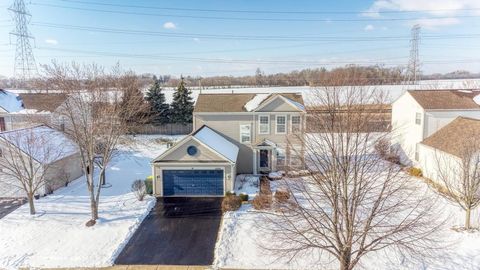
column 167, row 129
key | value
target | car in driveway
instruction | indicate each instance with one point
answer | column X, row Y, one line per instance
column 177, row 231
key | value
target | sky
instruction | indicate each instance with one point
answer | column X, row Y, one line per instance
column 235, row 37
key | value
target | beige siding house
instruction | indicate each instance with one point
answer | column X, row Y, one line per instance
column 264, row 130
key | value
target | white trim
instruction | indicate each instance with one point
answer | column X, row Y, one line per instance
column 194, row 168
column 276, row 123
column 240, row 135
column 273, row 97
column 268, row 124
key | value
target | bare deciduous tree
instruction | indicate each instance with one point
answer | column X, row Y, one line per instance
column 354, row 202
column 101, row 107
column 26, row 159
column 460, row 175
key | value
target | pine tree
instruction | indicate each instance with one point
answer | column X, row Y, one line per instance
column 160, row 109
column 182, row 105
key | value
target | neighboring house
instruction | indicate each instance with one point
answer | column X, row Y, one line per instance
column 29, row 109
column 233, row 133
column 418, row 114
column 57, row 154
column 442, row 151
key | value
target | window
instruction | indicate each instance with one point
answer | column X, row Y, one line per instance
column 280, row 157
column 418, row 118
column 245, row 133
column 264, row 124
column 296, row 124
column 281, row 127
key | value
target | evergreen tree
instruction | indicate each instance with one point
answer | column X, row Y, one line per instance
column 182, row 105
column 160, row 109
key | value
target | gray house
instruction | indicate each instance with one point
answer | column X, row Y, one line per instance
column 233, row 134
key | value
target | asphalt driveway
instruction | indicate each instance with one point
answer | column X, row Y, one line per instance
column 178, row 231
column 8, row 205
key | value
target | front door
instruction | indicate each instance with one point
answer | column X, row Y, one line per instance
column 264, row 159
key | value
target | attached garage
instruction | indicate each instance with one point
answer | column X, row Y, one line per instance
column 202, row 164
column 193, row 182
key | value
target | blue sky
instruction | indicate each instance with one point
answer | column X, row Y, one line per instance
column 219, row 37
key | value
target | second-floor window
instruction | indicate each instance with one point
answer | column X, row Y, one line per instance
column 245, row 133
column 418, row 118
column 281, row 127
column 296, row 124
column 264, row 124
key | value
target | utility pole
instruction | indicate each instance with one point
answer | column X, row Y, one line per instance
column 24, row 67
column 413, row 69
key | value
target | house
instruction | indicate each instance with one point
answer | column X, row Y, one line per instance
column 233, row 134
column 442, row 152
column 52, row 154
column 417, row 114
column 29, row 109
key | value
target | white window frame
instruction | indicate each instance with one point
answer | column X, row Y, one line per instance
column 249, row 135
column 418, row 118
column 260, row 124
column 284, row 152
column 299, row 124
column 276, row 124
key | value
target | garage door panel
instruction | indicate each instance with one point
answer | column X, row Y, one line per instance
column 193, row 183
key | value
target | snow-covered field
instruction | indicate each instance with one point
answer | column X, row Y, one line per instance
column 57, row 235
column 242, row 245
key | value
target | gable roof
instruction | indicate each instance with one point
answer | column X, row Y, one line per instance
column 212, row 140
column 42, row 143
column 452, row 137
column 446, row 99
column 236, row 102
column 10, row 102
column 43, row 101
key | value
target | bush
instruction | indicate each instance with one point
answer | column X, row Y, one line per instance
column 282, row 195
column 231, row 203
column 230, row 193
column 138, row 188
column 265, row 186
column 149, row 185
column 244, row 197
column 262, row 201
column 393, row 158
column 382, row 148
column 415, row 171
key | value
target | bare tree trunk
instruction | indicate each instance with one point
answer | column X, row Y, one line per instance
column 30, row 198
column 467, row 218
column 345, row 259
column 93, row 202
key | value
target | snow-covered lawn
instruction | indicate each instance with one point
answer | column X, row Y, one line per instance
column 248, row 184
column 242, row 245
column 57, row 235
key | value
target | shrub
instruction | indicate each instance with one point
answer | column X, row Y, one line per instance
column 138, row 188
column 244, row 197
column 265, row 186
column 393, row 158
column 149, row 185
column 282, row 195
column 382, row 148
column 230, row 193
column 415, row 171
column 231, row 203
column 262, row 201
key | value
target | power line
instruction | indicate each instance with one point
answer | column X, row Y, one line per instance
column 246, row 37
column 24, row 67
column 249, row 19
column 265, row 11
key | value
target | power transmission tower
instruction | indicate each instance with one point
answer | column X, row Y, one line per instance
column 413, row 69
column 24, row 66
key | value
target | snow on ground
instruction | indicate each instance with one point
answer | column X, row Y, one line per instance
column 242, row 245
column 249, row 184
column 57, row 235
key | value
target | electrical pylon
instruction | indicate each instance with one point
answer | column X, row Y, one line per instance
column 413, row 69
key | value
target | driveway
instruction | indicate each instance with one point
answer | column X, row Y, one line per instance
column 8, row 205
column 178, row 231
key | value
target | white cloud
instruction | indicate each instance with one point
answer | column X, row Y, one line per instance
column 437, row 7
column 369, row 27
column 169, row 25
column 51, row 41
column 197, row 40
